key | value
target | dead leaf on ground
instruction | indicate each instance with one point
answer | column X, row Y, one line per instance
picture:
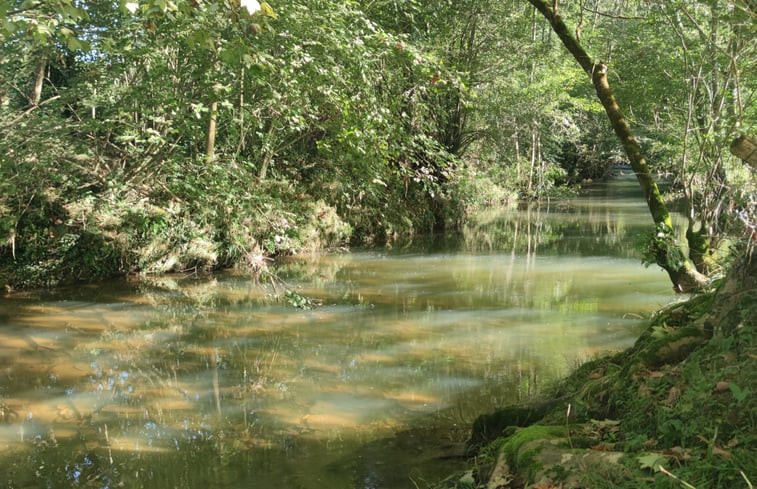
column 603, row 447
column 716, row 450
column 679, row 453
column 650, row 443
column 673, row 394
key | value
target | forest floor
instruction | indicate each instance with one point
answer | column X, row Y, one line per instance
column 678, row 409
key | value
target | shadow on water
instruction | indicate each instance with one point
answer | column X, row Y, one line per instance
column 210, row 382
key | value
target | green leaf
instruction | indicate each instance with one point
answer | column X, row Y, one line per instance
column 267, row 10
column 9, row 27
column 74, row 44
column 651, row 461
column 738, row 393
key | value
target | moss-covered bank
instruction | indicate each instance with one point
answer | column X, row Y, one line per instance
column 678, row 409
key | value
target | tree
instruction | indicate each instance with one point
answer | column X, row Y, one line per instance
column 667, row 253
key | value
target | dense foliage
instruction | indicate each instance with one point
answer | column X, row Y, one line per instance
column 179, row 135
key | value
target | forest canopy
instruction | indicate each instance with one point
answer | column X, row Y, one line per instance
column 157, row 135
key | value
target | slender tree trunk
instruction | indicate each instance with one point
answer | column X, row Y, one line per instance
column 516, row 138
column 533, row 160
column 211, row 144
column 39, row 79
column 681, row 272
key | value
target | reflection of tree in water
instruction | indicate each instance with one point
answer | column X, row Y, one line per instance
column 192, row 381
column 553, row 229
column 106, row 405
column 520, row 231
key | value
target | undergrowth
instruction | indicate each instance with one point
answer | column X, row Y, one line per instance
column 679, row 406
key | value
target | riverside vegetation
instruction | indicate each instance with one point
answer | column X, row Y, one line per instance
column 189, row 135
column 675, row 410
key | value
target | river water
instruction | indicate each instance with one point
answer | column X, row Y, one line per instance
column 204, row 382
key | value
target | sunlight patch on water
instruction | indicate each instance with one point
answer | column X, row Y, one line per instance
column 167, row 374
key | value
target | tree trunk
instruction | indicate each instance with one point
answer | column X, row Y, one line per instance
column 681, row 272
column 211, row 144
column 39, row 79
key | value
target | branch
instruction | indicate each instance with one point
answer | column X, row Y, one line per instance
column 611, row 16
column 22, row 10
column 32, row 109
column 570, row 42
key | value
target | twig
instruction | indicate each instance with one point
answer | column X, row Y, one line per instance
column 32, row 109
column 611, row 16
column 669, row 474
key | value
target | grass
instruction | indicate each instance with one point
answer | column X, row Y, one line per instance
column 680, row 404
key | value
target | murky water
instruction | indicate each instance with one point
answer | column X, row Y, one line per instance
column 207, row 382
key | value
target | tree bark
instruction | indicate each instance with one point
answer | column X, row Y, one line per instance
column 211, row 143
column 39, row 79
column 681, row 272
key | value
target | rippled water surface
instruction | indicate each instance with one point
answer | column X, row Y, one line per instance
column 211, row 382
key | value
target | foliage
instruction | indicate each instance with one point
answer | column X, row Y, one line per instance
column 346, row 121
column 320, row 131
column 661, row 247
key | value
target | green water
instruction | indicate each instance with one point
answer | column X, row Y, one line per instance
column 209, row 382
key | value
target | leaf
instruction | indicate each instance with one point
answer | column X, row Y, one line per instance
column 661, row 331
column 716, row 450
column 651, row 461
column 738, row 393
column 268, row 10
column 9, row 27
column 75, row 44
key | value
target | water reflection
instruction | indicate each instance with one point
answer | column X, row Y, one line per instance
column 208, row 383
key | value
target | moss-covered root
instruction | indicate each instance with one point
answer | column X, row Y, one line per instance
column 489, row 427
column 540, row 456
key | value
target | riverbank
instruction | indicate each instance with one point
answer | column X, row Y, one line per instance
column 81, row 237
column 675, row 410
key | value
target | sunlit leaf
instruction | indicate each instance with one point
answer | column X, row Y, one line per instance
column 268, row 10
column 651, row 461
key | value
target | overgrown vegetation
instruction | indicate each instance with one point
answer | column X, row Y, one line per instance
column 155, row 135
column 676, row 410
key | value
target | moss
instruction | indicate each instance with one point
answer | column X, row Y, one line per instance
column 489, row 427
column 684, row 391
column 512, row 446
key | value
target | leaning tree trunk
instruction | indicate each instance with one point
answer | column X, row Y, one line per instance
column 668, row 254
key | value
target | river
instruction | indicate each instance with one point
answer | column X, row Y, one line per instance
column 205, row 382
